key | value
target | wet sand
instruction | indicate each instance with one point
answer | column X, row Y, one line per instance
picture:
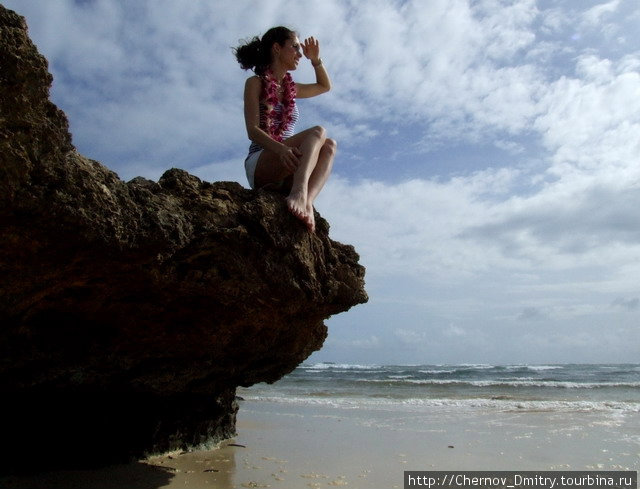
column 289, row 446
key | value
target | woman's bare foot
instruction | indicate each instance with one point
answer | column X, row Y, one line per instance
column 297, row 204
column 311, row 220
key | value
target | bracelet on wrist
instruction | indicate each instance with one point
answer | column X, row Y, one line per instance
column 318, row 63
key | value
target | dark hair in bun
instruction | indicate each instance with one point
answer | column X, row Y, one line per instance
column 255, row 54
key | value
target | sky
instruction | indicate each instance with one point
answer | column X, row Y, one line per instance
column 488, row 166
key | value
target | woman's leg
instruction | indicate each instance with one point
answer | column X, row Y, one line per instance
column 270, row 169
column 307, row 182
column 320, row 175
column 297, row 201
column 322, row 170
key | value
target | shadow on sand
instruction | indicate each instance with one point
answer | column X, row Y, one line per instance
column 136, row 475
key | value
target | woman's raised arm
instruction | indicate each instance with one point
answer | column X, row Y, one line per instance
column 311, row 50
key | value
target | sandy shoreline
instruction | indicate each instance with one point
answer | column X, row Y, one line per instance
column 288, row 446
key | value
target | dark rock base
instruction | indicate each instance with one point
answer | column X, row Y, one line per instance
column 88, row 429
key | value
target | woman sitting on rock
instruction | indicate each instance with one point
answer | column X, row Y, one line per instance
column 279, row 159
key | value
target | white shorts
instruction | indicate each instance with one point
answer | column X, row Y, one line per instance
column 250, row 166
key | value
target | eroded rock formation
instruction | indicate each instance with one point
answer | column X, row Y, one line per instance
column 130, row 312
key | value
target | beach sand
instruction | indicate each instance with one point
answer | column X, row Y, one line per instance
column 290, row 446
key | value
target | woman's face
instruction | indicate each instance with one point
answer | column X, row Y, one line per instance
column 290, row 53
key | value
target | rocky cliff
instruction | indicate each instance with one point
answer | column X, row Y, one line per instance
column 130, row 312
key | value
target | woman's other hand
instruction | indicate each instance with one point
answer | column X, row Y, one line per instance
column 290, row 157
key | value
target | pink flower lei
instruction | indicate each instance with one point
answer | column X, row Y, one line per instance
column 270, row 99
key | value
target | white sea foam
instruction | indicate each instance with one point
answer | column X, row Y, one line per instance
column 449, row 369
column 439, row 371
column 507, row 383
column 480, row 366
column 339, row 366
column 415, row 404
column 535, row 368
column 544, row 367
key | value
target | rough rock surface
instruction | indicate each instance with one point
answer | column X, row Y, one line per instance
column 130, row 312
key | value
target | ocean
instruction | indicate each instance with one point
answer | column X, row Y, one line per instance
column 608, row 389
column 463, row 417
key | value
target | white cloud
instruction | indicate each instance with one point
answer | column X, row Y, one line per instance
column 412, row 338
column 591, row 123
column 370, row 343
column 351, row 133
column 595, row 15
column 507, row 26
column 554, row 20
column 455, row 331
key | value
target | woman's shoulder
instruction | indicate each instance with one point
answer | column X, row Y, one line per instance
column 253, row 84
column 253, row 81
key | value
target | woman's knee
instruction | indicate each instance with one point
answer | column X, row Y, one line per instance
column 330, row 145
column 318, row 132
